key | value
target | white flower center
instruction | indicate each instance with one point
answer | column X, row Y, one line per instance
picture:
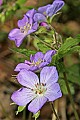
column 40, row 88
column 25, row 28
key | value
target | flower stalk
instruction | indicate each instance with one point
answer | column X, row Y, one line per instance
column 70, row 96
column 53, row 109
column 24, row 115
column 45, row 43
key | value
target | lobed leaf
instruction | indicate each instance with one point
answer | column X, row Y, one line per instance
column 25, row 52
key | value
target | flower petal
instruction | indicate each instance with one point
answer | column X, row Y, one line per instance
column 35, row 26
column 21, row 66
column 53, row 92
column 22, row 23
column 28, row 62
column 43, row 9
column 38, row 56
column 36, row 104
column 49, row 75
column 30, row 13
column 48, row 55
column 55, row 7
column 43, row 64
column 38, row 17
column 33, row 29
column 27, row 78
column 32, row 57
column 23, row 96
column 33, row 68
column 16, row 36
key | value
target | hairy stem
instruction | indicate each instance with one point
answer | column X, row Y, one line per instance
column 70, row 96
column 56, row 109
column 52, row 106
column 45, row 43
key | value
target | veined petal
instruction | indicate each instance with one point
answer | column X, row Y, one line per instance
column 16, row 36
column 43, row 64
column 38, row 17
column 28, row 62
column 23, row 96
column 33, row 68
column 27, row 78
column 43, row 9
column 53, row 92
column 36, row 104
column 55, row 7
column 35, row 26
column 33, row 29
column 23, row 22
column 38, row 56
column 21, row 66
column 48, row 55
column 30, row 13
column 49, row 75
column 32, row 57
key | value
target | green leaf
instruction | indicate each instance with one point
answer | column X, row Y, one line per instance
column 41, row 30
column 73, row 73
column 64, row 88
column 43, row 47
column 67, row 46
column 48, row 40
column 36, row 115
column 74, row 49
column 25, row 52
column 70, row 42
column 20, row 109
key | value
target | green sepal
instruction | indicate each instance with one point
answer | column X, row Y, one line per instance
column 20, row 109
column 36, row 115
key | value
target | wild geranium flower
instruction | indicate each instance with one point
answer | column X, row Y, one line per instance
column 26, row 27
column 51, row 9
column 37, row 61
column 37, row 92
column 48, row 10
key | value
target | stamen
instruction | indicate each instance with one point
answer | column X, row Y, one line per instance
column 25, row 28
column 40, row 88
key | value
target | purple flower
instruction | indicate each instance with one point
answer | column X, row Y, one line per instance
column 51, row 9
column 37, row 92
column 37, row 61
column 26, row 27
column 1, row 1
